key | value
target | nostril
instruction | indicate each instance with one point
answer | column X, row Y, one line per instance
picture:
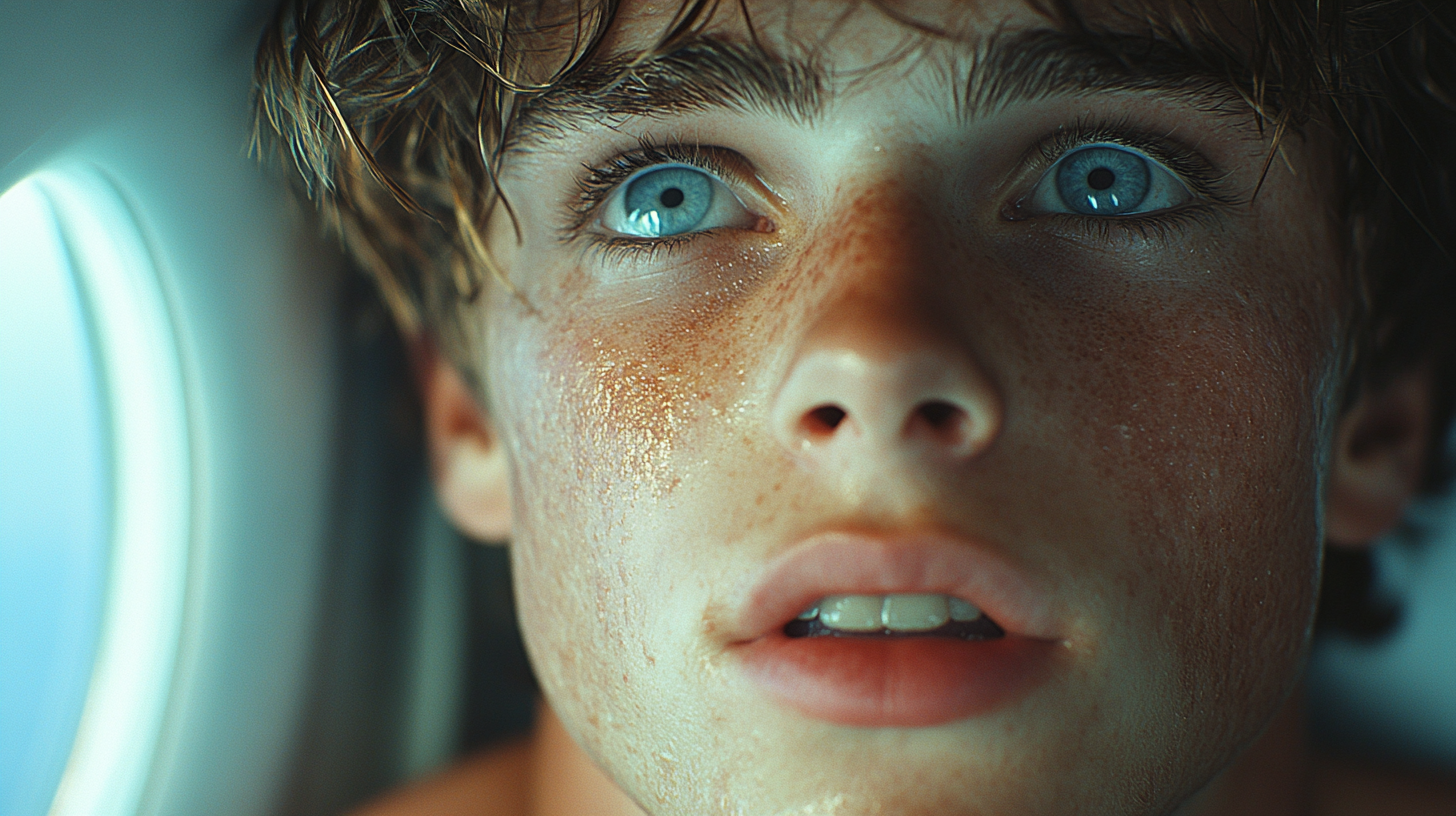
column 823, row 420
column 939, row 414
column 941, row 421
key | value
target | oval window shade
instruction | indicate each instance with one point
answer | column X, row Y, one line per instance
column 150, row 488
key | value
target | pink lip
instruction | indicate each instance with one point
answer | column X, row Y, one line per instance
column 895, row 683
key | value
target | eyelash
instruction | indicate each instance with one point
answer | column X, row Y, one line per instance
column 1207, row 184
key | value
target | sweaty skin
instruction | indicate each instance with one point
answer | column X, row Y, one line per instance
column 1146, row 416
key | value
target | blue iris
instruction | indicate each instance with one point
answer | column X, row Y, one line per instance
column 1103, row 181
column 668, row 200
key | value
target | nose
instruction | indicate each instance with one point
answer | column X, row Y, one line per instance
column 871, row 380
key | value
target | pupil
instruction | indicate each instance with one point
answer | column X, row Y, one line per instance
column 672, row 197
column 1100, row 179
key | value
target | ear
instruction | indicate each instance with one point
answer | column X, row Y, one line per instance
column 467, row 460
column 1378, row 459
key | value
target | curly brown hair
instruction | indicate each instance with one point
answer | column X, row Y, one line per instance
column 397, row 116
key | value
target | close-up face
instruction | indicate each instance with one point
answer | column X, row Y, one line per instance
column 892, row 320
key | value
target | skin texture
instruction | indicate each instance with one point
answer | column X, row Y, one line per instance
column 1146, row 420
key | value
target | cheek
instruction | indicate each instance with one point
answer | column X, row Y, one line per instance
column 605, row 410
column 628, row 382
column 1199, row 395
column 1213, row 455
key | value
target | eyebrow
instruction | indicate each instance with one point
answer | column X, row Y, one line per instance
column 701, row 75
column 1002, row 69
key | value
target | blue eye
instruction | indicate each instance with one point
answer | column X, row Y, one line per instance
column 673, row 199
column 1105, row 179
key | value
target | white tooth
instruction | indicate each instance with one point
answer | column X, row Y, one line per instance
column 962, row 611
column 809, row 614
column 914, row 613
column 851, row 613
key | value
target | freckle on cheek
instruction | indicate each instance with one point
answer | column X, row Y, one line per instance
column 631, row 385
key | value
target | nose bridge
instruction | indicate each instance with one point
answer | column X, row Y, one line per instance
column 887, row 238
column 886, row 362
column 885, row 263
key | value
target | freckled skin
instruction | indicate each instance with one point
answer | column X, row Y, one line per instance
column 1165, row 411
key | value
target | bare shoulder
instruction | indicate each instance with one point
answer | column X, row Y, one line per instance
column 1346, row 787
column 494, row 782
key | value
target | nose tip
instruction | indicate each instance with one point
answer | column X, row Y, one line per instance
column 841, row 401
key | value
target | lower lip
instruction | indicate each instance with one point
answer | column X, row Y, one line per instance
column 897, row 682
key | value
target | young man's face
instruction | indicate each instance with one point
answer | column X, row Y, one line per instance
column 1029, row 347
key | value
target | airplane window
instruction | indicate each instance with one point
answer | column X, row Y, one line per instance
column 94, row 498
column 54, row 502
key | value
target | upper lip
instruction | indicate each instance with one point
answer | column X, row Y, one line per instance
column 847, row 563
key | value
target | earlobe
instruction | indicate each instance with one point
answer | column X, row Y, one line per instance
column 467, row 460
column 1377, row 461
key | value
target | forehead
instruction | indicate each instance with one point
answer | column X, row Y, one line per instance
column 854, row 29
column 796, row 58
column 853, row 35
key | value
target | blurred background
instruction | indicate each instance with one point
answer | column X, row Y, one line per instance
column 224, row 586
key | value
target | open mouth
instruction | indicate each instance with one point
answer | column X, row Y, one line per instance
column 897, row 660
column 901, row 615
column 881, row 632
